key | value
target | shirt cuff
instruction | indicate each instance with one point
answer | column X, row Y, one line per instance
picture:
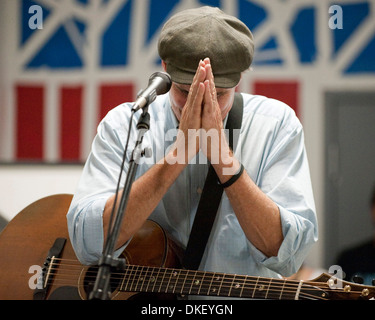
column 293, row 249
column 95, row 231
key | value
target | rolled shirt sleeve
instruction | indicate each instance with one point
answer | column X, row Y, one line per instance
column 285, row 178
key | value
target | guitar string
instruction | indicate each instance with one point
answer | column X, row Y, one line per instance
column 223, row 281
column 285, row 285
column 289, row 283
column 178, row 286
column 249, row 287
column 158, row 282
column 286, row 295
column 293, row 283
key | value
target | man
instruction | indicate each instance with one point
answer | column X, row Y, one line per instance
column 266, row 221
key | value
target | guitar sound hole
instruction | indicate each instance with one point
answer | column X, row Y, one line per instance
column 90, row 278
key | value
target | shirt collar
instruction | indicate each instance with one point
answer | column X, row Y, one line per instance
column 171, row 117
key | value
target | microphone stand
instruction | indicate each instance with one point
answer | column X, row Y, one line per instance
column 108, row 262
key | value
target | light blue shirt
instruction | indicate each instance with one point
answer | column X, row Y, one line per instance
column 271, row 148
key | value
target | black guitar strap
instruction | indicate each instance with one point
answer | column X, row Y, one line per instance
column 210, row 198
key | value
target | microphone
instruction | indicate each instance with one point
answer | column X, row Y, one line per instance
column 159, row 83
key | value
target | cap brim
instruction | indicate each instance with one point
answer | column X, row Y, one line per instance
column 186, row 77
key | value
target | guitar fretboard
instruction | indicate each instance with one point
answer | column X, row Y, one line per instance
column 188, row 282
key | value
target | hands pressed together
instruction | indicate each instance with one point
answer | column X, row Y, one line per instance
column 201, row 121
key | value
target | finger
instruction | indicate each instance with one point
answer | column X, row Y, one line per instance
column 192, row 111
column 196, row 93
column 208, row 102
column 198, row 97
column 211, row 96
column 211, row 79
column 199, row 77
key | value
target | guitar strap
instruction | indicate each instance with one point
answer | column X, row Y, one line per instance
column 210, row 198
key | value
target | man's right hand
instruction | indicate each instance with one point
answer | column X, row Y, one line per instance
column 191, row 119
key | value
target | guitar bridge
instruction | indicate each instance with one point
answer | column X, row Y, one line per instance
column 40, row 292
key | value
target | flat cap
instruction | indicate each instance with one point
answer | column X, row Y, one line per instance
column 195, row 34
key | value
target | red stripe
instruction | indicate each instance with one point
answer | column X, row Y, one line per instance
column 112, row 95
column 285, row 91
column 30, row 122
column 70, row 123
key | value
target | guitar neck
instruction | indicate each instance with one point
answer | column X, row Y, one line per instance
column 188, row 282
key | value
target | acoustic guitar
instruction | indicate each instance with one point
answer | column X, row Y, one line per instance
column 37, row 261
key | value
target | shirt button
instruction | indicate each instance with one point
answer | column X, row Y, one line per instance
column 199, row 190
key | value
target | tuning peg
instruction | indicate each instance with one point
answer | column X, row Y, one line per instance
column 357, row 279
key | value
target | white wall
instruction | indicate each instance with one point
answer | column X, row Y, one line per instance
column 20, row 185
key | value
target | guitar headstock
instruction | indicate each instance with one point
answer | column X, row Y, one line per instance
column 338, row 289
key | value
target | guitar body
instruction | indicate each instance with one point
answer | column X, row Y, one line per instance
column 27, row 239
